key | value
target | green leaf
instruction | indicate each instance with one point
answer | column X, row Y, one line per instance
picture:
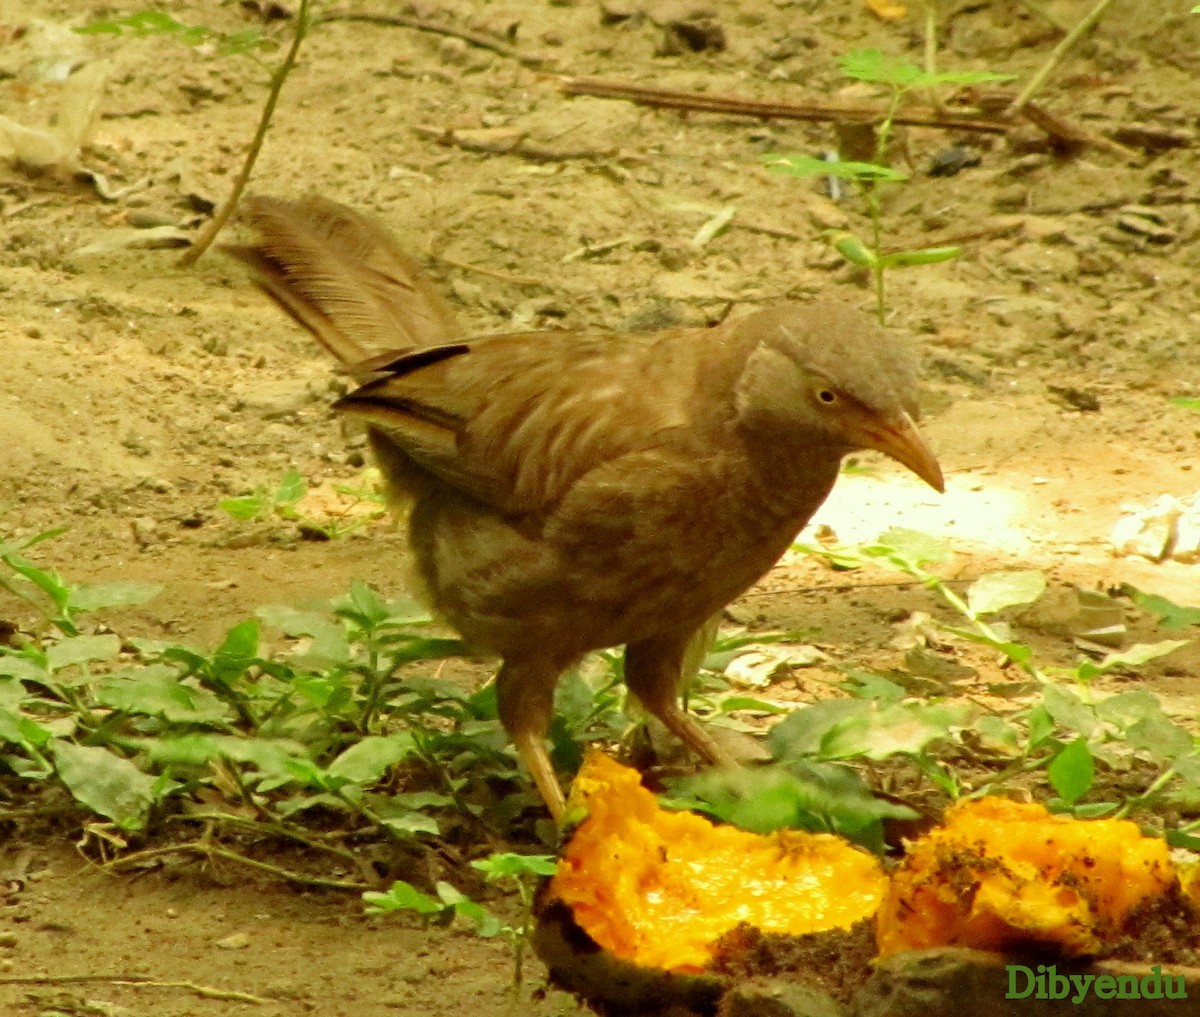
column 486, row 924
column 144, row 23
column 868, row 685
column 1041, row 726
column 810, row 166
column 508, row 865
column 1188, row 767
column 292, row 488
column 842, row 558
column 886, row 730
column 241, row 43
column 909, row 550
column 157, row 691
column 270, row 756
column 802, row 731
column 1126, row 708
column 1187, row 402
column 1071, row 771
column 731, row 704
column 426, row 649
column 46, row 580
column 11, row 547
column 1068, row 710
column 920, row 256
column 422, row 800
column 243, row 507
column 995, row 591
column 329, row 646
column 402, row 896
column 796, row 795
column 27, row 665
column 123, row 593
column 364, row 605
column 853, row 249
column 17, row 729
column 1161, row 738
column 106, row 783
column 408, row 823
column 1018, row 653
column 81, row 650
column 1138, row 654
column 1171, row 615
column 149, row 23
column 1094, row 810
column 370, row 758
column 875, row 66
column 239, row 649
column 997, row 731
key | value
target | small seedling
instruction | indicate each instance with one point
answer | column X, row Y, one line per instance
column 901, row 78
column 522, row 872
column 284, row 503
column 281, row 502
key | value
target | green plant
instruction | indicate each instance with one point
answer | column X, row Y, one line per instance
column 125, row 725
column 283, row 503
column 142, row 24
column 900, row 78
column 1063, row 728
column 520, row 871
column 347, row 722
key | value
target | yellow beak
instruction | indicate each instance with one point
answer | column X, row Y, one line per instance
column 903, row 442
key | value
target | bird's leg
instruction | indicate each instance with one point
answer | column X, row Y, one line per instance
column 525, row 698
column 653, row 672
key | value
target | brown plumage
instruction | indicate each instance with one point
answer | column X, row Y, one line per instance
column 576, row 490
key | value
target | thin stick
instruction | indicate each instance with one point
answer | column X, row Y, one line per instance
column 1086, row 24
column 278, row 76
column 1034, row 7
column 204, row 991
column 466, row 266
column 709, row 103
column 930, row 36
column 210, row 851
column 480, row 39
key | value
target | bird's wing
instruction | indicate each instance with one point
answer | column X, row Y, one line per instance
column 343, row 278
column 516, row 420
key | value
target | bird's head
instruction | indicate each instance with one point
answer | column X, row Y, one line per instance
column 830, row 375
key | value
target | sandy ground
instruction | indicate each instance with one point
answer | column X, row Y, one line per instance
column 135, row 394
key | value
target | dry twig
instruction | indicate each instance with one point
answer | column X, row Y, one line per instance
column 203, row 991
column 1000, row 121
column 1086, row 24
column 209, row 850
column 706, row 102
column 480, row 39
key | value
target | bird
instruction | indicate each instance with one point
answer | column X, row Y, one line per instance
column 574, row 490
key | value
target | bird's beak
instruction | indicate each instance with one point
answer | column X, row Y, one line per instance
column 903, row 442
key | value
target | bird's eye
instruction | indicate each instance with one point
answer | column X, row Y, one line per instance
column 827, row 396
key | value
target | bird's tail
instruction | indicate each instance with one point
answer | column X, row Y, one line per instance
column 344, row 279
